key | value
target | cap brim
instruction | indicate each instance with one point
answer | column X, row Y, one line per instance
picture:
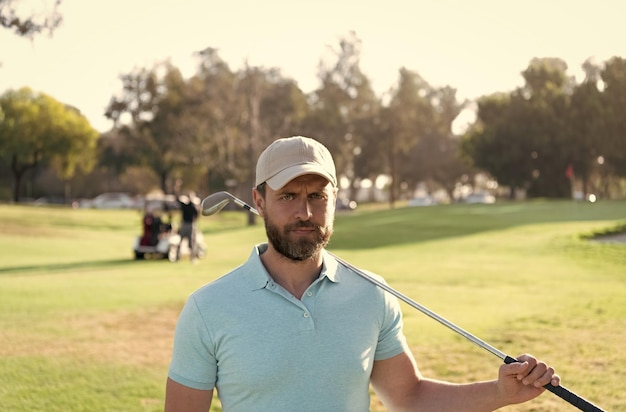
column 285, row 176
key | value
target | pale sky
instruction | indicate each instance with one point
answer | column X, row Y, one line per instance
column 476, row 46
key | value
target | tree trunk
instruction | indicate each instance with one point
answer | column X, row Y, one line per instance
column 17, row 181
column 392, row 173
column 18, row 173
column 163, row 179
column 255, row 103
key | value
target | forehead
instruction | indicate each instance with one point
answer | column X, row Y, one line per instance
column 311, row 181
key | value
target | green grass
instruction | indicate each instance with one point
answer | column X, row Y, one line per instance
column 83, row 327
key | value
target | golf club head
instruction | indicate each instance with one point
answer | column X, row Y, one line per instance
column 212, row 204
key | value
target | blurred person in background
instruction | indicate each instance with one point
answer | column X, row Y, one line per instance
column 189, row 204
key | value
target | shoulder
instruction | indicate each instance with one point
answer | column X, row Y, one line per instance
column 235, row 285
column 344, row 272
column 371, row 286
column 221, row 287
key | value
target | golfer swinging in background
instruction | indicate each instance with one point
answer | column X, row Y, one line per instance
column 291, row 330
column 189, row 211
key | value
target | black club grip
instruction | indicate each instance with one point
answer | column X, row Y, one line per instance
column 565, row 394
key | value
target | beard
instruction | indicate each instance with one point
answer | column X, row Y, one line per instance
column 302, row 248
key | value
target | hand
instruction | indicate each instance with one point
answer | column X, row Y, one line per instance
column 524, row 380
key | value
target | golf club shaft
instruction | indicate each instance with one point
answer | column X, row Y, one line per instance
column 215, row 202
column 560, row 391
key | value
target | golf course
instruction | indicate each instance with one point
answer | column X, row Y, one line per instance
column 85, row 327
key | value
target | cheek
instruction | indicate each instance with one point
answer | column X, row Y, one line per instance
column 327, row 213
column 277, row 213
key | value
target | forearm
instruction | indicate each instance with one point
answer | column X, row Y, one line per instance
column 401, row 386
column 437, row 396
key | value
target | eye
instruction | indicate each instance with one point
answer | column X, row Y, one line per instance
column 286, row 196
column 318, row 196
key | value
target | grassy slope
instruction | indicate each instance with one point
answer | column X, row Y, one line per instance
column 85, row 328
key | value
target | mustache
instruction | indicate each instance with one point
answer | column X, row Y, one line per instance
column 302, row 225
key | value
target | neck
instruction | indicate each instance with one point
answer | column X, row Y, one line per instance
column 293, row 275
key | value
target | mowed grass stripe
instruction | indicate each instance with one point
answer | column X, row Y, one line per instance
column 84, row 327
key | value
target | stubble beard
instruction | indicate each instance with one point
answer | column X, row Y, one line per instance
column 302, row 248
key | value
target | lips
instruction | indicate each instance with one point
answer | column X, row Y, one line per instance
column 303, row 230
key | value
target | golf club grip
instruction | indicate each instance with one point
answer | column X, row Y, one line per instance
column 565, row 394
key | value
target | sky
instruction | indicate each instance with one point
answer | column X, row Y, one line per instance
column 478, row 47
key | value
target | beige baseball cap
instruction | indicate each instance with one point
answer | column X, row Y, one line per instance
column 290, row 157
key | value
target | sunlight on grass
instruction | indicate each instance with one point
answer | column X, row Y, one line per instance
column 85, row 327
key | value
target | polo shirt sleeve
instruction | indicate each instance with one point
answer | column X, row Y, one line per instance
column 391, row 340
column 193, row 358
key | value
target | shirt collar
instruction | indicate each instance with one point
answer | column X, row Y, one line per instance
column 258, row 277
column 330, row 267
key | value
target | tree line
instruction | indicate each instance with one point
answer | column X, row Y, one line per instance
column 208, row 129
column 553, row 129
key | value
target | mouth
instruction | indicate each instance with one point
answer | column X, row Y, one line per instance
column 303, row 231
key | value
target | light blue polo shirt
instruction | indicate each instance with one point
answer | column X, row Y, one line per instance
column 265, row 350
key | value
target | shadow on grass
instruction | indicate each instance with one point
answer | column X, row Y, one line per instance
column 410, row 225
column 58, row 267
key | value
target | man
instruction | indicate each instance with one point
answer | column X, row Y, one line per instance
column 292, row 330
column 187, row 230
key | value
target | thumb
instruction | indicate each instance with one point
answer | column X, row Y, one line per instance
column 518, row 369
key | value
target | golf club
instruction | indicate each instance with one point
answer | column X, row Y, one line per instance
column 212, row 204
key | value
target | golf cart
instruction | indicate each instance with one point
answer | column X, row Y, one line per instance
column 159, row 238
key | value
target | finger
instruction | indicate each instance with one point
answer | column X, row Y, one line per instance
column 539, row 376
column 546, row 378
column 537, row 373
column 529, row 364
column 514, row 366
column 527, row 358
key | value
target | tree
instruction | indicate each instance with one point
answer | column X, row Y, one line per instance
column 586, row 126
column 211, row 125
column 244, row 111
column 13, row 17
column 150, row 115
column 520, row 138
column 422, row 147
column 35, row 130
column 438, row 154
column 342, row 107
column 176, row 130
column 214, row 86
column 500, row 142
column 614, row 100
column 274, row 107
column 547, row 95
column 410, row 115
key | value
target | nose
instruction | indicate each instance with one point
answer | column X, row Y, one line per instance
column 303, row 210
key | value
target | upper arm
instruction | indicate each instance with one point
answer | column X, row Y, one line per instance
column 396, row 380
column 181, row 398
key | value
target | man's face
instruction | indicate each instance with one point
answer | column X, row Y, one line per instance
column 299, row 217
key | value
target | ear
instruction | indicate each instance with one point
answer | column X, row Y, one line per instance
column 259, row 202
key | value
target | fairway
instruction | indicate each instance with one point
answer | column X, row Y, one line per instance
column 84, row 327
